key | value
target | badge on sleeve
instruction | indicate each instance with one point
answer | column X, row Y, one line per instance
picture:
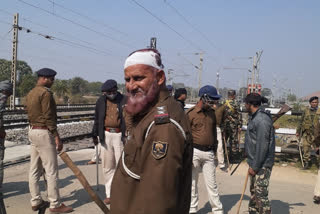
column 159, row 149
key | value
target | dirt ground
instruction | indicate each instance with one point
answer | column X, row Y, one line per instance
column 291, row 190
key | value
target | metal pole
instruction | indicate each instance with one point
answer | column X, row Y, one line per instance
column 253, row 74
column 153, row 43
column 200, row 70
column 14, row 60
column 218, row 77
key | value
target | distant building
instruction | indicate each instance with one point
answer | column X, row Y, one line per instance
column 306, row 98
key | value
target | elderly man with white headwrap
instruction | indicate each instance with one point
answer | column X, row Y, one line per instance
column 5, row 92
column 154, row 171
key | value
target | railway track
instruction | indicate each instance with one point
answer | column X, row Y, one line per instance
column 22, row 123
column 71, row 143
column 20, row 109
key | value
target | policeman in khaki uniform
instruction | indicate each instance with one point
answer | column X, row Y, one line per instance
column 154, row 171
column 109, row 126
column 309, row 120
column 45, row 143
column 203, row 125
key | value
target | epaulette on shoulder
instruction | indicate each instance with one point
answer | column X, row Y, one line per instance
column 162, row 116
column 161, row 119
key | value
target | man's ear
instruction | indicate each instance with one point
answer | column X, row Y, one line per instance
column 161, row 77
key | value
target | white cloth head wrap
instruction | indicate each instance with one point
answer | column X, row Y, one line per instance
column 145, row 58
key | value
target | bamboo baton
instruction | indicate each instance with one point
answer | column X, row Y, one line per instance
column 244, row 189
column 77, row 172
column 226, row 150
column 97, row 166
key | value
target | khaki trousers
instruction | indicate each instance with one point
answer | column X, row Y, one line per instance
column 110, row 154
column 43, row 156
column 317, row 187
column 205, row 161
column 220, row 152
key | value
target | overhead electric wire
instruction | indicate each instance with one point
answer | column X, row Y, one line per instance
column 191, row 25
column 6, row 12
column 77, row 24
column 167, row 25
column 64, row 41
column 43, row 26
column 4, row 36
column 89, row 18
column 7, row 23
column 66, row 34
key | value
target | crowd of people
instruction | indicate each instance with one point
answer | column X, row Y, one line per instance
column 151, row 149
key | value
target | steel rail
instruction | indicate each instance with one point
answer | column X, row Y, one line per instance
column 64, row 140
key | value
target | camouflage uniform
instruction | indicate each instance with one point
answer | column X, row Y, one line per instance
column 232, row 121
column 309, row 121
column 259, row 189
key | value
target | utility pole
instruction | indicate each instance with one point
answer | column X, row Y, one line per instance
column 200, row 69
column 255, row 71
column 217, row 81
column 14, row 60
column 153, row 43
column 253, row 74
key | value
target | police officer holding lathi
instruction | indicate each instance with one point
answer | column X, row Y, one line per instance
column 45, row 143
column 260, row 148
column 154, row 171
column 306, row 129
column 203, row 125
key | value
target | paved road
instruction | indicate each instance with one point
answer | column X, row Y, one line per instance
column 291, row 190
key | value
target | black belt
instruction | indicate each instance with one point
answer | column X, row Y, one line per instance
column 203, row 148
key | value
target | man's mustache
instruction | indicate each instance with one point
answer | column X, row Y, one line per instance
column 134, row 92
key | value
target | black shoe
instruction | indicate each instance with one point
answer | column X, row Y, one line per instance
column 42, row 205
column 316, row 199
column 306, row 166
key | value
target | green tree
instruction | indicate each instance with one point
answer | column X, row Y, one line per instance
column 61, row 88
column 292, row 97
column 27, row 82
column 78, row 86
column 5, row 70
column 94, row 88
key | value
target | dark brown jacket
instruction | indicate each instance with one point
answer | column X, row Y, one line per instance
column 161, row 157
column 41, row 108
column 98, row 128
column 203, row 125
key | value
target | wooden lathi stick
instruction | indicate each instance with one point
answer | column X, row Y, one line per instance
column 244, row 190
column 77, row 172
column 226, row 150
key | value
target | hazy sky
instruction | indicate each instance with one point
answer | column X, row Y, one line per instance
column 95, row 44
